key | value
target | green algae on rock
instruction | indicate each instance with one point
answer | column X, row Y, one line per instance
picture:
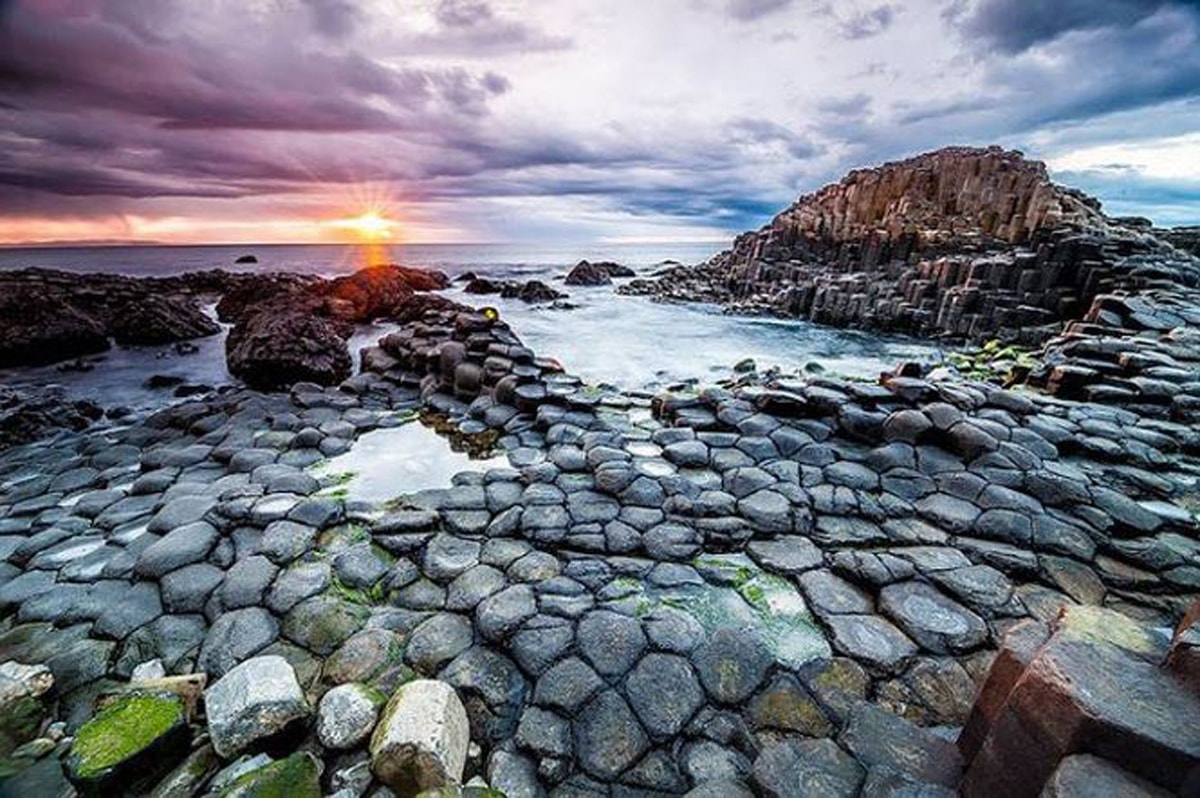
column 136, row 736
column 298, row 776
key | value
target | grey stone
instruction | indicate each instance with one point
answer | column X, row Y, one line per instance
column 610, row 642
column 936, row 622
column 608, row 738
column 500, row 614
column 872, row 641
column 567, row 685
column 789, row 555
column 235, row 636
column 284, row 541
column 346, row 716
column 664, row 692
column 252, row 702
column 181, row 546
column 732, row 664
column 437, row 641
column 815, row 768
column 246, row 582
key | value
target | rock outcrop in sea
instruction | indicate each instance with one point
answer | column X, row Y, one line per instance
column 775, row 585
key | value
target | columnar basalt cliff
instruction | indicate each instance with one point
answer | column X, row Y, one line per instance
column 961, row 243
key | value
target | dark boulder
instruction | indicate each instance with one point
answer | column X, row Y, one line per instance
column 155, row 319
column 38, row 328
column 28, row 415
column 281, row 345
column 531, row 291
column 246, row 259
column 599, row 273
column 482, row 285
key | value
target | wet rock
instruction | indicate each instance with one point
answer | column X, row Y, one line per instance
column 298, row 775
column 879, row 738
column 936, row 622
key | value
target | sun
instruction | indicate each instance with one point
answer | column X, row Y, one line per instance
column 371, row 225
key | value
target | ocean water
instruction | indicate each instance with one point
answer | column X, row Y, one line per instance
column 630, row 342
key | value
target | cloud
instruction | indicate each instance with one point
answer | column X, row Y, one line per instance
column 334, row 18
column 1013, row 26
column 869, row 23
column 749, row 10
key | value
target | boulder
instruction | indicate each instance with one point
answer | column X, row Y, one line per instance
column 130, row 742
column 346, row 715
column 253, row 703
column 281, row 345
column 37, row 328
column 422, row 738
column 155, row 320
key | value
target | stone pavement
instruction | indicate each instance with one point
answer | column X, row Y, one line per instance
column 747, row 589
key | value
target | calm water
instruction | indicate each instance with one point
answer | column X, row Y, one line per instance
column 630, row 342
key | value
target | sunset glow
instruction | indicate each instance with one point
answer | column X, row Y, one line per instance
column 369, row 226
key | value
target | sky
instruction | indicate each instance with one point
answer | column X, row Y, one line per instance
column 239, row 121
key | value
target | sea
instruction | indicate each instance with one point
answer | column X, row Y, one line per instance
column 633, row 343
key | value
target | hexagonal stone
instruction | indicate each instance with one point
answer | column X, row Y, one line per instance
column 181, row 546
column 608, row 738
column 235, row 636
column 664, row 692
column 321, row 624
column 789, row 555
column 768, row 510
column 935, row 621
column 437, row 641
column 828, row 594
column 871, row 640
column 673, row 630
column 139, row 605
column 567, row 685
column 284, row 541
column 473, row 586
column 501, row 613
column 446, row 557
column 541, row 642
column 246, row 582
column 186, row 589
column 611, row 642
column 880, row 739
column 491, row 688
column 786, row 706
column 732, row 664
column 544, row 733
column 815, row 768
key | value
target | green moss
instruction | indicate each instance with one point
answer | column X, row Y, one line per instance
column 994, row 362
column 120, row 731
column 298, row 776
column 754, row 595
column 355, row 595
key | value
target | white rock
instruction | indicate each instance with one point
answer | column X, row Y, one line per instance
column 19, row 681
column 421, row 741
column 148, row 670
column 346, row 716
column 254, row 700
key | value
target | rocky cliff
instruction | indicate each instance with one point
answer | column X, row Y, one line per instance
column 961, row 243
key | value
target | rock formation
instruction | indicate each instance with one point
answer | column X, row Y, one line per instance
column 961, row 243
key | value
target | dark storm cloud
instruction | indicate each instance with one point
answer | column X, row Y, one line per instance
column 1013, row 26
